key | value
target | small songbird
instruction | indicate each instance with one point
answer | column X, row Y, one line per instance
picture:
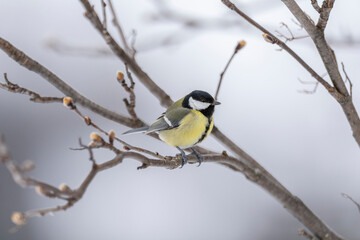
column 185, row 123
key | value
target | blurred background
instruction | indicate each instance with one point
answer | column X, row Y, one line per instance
column 304, row 140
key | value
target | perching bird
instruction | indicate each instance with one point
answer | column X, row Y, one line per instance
column 185, row 123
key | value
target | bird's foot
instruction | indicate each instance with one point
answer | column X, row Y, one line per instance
column 198, row 155
column 183, row 155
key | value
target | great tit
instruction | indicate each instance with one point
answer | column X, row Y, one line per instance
column 185, row 123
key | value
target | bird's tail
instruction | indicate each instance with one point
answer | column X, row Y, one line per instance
column 137, row 130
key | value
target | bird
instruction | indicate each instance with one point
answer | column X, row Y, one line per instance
column 186, row 123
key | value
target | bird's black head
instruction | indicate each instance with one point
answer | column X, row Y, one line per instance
column 201, row 101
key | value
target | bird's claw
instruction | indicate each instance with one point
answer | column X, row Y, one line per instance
column 183, row 156
column 198, row 155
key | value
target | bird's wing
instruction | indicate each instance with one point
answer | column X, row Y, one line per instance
column 136, row 130
column 171, row 119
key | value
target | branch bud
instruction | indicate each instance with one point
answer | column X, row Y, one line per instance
column 40, row 190
column 87, row 120
column 18, row 218
column 64, row 188
column 94, row 144
column 68, row 102
column 120, row 76
column 44, row 192
column 269, row 38
column 240, row 45
column 111, row 136
column 126, row 148
column 96, row 137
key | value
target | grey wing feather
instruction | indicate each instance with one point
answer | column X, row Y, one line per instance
column 136, row 130
column 169, row 120
column 159, row 125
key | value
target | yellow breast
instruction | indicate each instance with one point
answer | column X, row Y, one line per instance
column 193, row 128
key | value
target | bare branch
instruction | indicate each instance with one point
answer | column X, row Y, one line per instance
column 316, row 6
column 127, row 146
column 287, row 39
column 329, row 60
column 17, row 173
column 34, row 66
column 115, row 21
column 325, row 10
column 130, row 106
column 239, row 46
column 35, row 97
column 316, row 84
column 62, row 47
column 103, row 6
column 339, row 91
column 347, row 79
column 274, row 40
column 118, row 51
column 73, row 196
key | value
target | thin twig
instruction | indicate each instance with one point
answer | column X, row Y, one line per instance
column 347, row 79
column 130, row 106
column 91, row 14
column 17, row 89
column 73, row 196
column 351, row 199
column 239, row 46
column 339, row 90
column 316, row 6
column 34, row 66
column 288, row 39
column 329, row 60
column 116, row 23
column 103, row 6
column 61, row 47
column 127, row 147
column 274, row 40
column 35, row 97
column 316, row 84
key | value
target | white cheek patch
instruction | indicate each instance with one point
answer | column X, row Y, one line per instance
column 197, row 105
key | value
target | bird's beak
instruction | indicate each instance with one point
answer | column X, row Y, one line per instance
column 216, row 103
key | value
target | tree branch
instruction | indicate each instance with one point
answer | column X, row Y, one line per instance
column 73, row 196
column 239, row 46
column 351, row 199
column 116, row 23
column 316, row 6
column 32, row 65
column 339, row 91
column 324, row 14
column 269, row 37
column 118, row 51
column 328, row 57
column 35, row 97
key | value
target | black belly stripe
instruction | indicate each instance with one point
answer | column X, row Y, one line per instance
column 205, row 133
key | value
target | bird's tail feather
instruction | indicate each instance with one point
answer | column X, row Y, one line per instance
column 136, row 130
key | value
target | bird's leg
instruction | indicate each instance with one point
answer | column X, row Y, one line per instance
column 184, row 159
column 198, row 155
